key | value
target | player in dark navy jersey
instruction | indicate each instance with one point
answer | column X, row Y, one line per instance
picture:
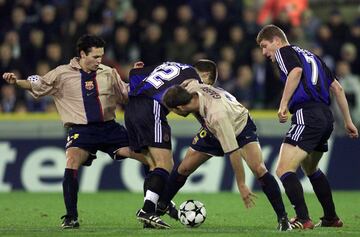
column 308, row 82
column 148, row 129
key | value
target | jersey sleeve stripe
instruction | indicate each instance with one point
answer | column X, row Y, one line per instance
column 280, row 61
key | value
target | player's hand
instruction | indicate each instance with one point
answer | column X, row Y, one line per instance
column 10, row 77
column 139, row 64
column 352, row 130
column 283, row 114
column 247, row 196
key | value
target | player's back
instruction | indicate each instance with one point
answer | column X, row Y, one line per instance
column 153, row 81
column 218, row 105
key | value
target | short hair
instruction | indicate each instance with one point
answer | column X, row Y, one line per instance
column 175, row 96
column 268, row 32
column 86, row 42
column 206, row 65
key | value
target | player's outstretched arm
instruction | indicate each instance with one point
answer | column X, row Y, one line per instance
column 11, row 78
column 339, row 93
column 237, row 165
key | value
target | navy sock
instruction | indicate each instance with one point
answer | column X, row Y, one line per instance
column 147, row 172
column 295, row 193
column 70, row 191
column 272, row 191
column 155, row 183
column 322, row 190
column 175, row 183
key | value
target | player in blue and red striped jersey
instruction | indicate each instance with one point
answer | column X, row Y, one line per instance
column 308, row 82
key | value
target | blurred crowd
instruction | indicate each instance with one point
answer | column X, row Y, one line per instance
column 38, row 35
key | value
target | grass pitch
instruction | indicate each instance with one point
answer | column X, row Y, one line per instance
column 113, row 214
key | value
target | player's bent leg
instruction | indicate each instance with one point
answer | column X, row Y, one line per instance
column 251, row 153
column 193, row 159
column 290, row 158
column 75, row 157
column 155, row 183
column 162, row 157
column 142, row 158
column 322, row 190
column 310, row 164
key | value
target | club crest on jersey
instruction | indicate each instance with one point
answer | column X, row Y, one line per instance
column 89, row 85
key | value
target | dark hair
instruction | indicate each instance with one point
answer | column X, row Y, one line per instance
column 175, row 96
column 206, row 65
column 268, row 32
column 86, row 42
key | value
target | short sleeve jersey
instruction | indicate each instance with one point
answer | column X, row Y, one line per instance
column 316, row 77
column 154, row 81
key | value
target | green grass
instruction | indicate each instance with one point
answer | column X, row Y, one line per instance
column 113, row 214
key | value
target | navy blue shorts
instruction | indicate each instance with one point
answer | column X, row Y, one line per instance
column 207, row 143
column 311, row 127
column 146, row 122
column 107, row 137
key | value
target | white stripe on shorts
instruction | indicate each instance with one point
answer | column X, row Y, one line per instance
column 157, row 125
column 300, row 125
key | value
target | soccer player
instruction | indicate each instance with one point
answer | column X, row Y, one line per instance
column 308, row 82
column 86, row 93
column 227, row 129
column 149, row 132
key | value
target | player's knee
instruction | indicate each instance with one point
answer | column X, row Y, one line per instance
column 280, row 170
column 166, row 164
column 72, row 163
column 259, row 170
column 183, row 170
column 309, row 170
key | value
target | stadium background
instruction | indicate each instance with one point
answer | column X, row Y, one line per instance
column 36, row 36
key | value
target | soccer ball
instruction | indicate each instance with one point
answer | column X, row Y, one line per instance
column 192, row 213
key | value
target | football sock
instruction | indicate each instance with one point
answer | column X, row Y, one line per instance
column 147, row 174
column 295, row 193
column 272, row 191
column 70, row 191
column 322, row 190
column 174, row 184
column 155, row 186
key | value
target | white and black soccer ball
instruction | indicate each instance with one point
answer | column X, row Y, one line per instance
column 192, row 213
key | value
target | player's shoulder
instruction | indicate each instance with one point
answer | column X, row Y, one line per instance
column 285, row 51
column 105, row 68
column 142, row 71
column 62, row 69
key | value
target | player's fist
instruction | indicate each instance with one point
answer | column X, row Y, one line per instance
column 352, row 130
column 283, row 114
column 10, row 77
